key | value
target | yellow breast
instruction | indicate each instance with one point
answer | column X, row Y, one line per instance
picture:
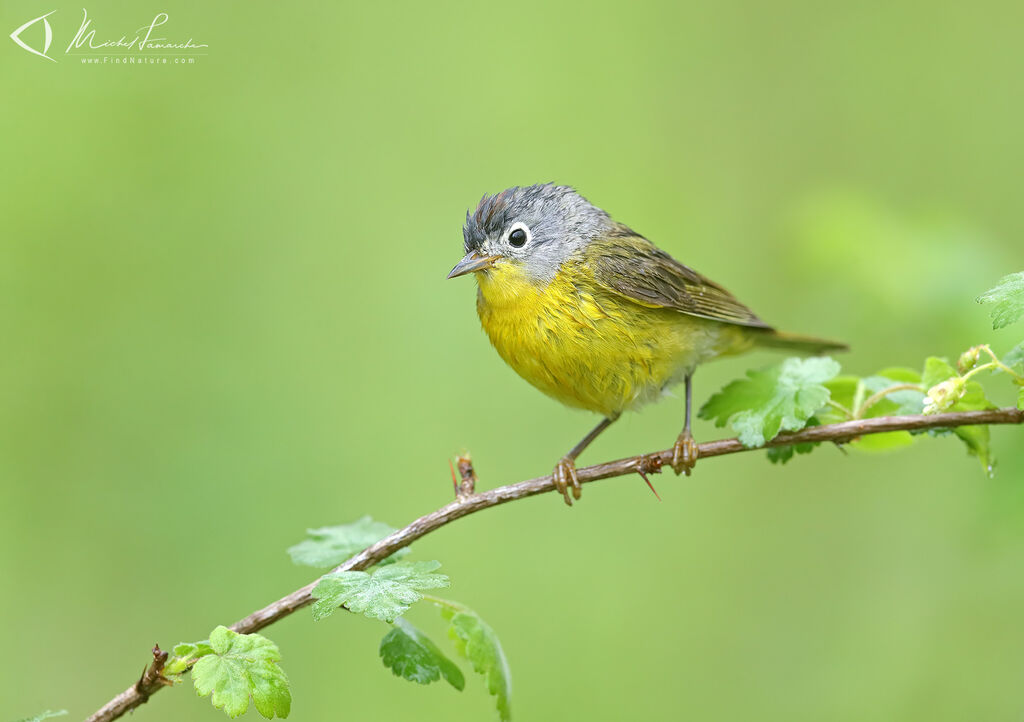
column 589, row 347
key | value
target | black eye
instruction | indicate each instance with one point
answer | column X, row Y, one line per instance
column 517, row 238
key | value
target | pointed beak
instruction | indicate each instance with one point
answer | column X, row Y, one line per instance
column 473, row 261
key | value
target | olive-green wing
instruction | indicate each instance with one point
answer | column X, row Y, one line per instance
column 632, row 266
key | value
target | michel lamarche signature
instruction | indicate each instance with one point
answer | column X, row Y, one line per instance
column 144, row 38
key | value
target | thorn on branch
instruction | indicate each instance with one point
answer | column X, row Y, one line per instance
column 153, row 676
column 649, row 464
column 466, row 486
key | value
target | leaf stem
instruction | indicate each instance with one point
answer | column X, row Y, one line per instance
column 995, row 363
column 875, row 398
column 858, row 396
column 447, row 603
column 845, row 411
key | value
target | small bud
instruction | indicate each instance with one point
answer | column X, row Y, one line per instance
column 968, row 359
column 942, row 396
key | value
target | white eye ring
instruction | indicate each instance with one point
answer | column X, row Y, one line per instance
column 521, row 239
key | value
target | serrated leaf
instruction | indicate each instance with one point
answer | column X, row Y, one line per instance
column 329, row 546
column 43, row 715
column 384, row 593
column 1014, row 358
column 408, row 653
column 477, row 643
column 1008, row 297
column 779, row 398
column 241, row 666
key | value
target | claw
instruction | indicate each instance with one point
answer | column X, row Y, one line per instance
column 564, row 476
column 684, row 453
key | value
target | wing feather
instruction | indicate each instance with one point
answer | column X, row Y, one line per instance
column 630, row 265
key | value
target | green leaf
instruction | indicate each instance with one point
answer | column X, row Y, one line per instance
column 185, row 655
column 782, row 454
column 1008, row 297
column 944, row 387
column 974, row 399
column 383, row 594
column 901, row 374
column 478, row 643
column 192, row 650
column 964, row 396
column 904, row 402
column 240, row 666
column 977, row 440
column 1014, row 358
column 885, row 441
column 850, row 391
column 976, row 437
column 843, row 391
column 329, row 546
column 43, row 715
column 1020, row 399
column 409, row 654
column 896, row 403
column 936, row 370
column 779, row 398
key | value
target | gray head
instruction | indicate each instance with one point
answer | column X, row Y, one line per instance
column 536, row 227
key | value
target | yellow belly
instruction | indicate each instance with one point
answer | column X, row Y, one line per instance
column 590, row 348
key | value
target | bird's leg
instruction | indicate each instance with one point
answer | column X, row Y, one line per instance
column 564, row 474
column 685, row 450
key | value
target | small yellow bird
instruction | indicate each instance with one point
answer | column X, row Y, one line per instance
column 595, row 315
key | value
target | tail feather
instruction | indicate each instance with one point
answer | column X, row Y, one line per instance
column 800, row 344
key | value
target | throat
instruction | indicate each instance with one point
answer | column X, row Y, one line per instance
column 508, row 286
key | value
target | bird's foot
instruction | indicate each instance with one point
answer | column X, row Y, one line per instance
column 684, row 453
column 564, row 476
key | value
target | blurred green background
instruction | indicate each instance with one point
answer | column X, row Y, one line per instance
column 224, row 319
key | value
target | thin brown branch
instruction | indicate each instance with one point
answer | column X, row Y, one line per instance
column 152, row 680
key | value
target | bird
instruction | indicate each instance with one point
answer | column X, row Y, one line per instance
column 596, row 316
